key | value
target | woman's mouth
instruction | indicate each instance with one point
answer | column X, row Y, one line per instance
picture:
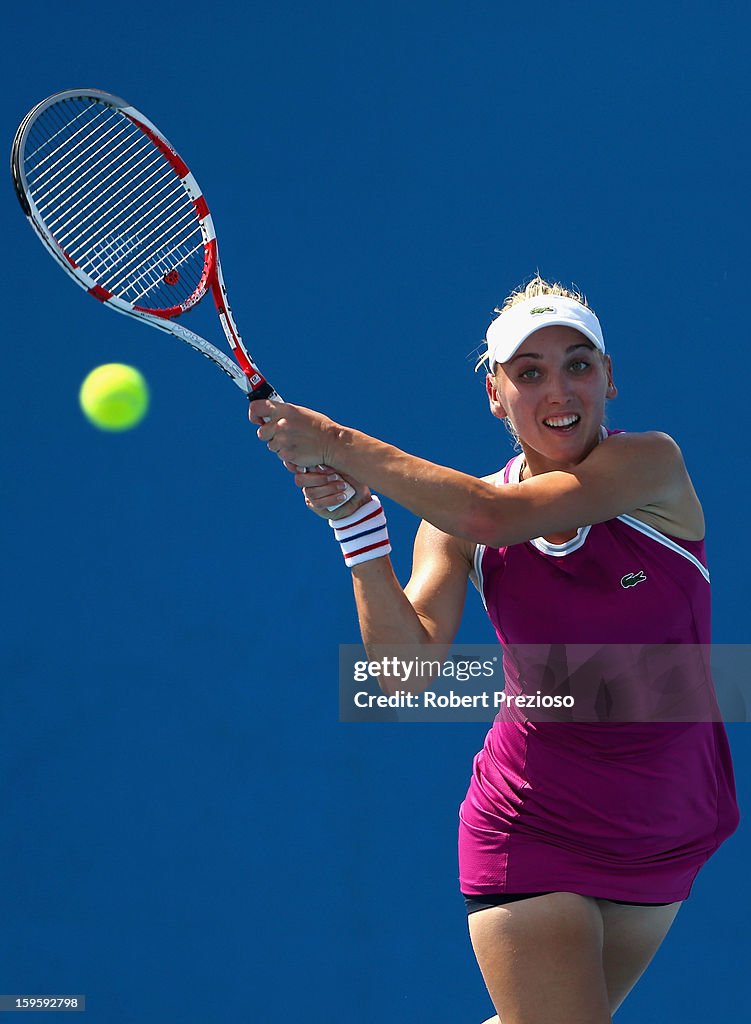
column 562, row 424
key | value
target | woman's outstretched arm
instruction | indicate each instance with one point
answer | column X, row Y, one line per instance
column 624, row 473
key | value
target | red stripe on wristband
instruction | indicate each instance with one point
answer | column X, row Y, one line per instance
column 370, row 547
column 375, row 512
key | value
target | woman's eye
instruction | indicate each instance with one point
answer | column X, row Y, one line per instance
column 533, row 372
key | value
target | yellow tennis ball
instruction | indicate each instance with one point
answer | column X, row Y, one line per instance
column 114, row 397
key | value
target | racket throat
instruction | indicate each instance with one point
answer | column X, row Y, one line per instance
column 264, row 390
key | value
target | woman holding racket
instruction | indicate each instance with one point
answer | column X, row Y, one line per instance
column 577, row 842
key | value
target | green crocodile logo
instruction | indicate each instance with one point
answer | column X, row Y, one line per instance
column 632, row 578
column 541, row 309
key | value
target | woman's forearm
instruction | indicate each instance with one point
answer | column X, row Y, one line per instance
column 384, row 611
column 390, row 627
column 455, row 502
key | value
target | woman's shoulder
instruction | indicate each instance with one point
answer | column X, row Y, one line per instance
column 680, row 513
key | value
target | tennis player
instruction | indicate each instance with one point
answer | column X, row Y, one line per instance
column 578, row 842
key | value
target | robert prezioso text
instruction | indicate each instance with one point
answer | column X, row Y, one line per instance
column 488, row 699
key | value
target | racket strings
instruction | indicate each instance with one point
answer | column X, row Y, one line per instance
column 83, row 195
column 102, row 245
column 54, row 176
column 114, row 203
column 64, row 134
column 171, row 220
column 145, row 150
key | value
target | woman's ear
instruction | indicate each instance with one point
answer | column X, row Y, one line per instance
column 612, row 390
column 494, row 397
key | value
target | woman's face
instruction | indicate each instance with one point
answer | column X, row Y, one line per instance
column 553, row 390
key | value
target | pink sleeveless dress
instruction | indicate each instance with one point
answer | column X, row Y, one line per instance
column 619, row 810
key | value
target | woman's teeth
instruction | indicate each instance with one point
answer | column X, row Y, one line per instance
column 561, row 421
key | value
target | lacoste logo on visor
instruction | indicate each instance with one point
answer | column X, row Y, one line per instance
column 541, row 309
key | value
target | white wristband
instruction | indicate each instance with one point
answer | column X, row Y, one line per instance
column 364, row 534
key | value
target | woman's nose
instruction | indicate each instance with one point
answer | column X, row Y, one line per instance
column 560, row 388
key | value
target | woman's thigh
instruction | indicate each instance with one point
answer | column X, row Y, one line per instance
column 631, row 937
column 542, row 959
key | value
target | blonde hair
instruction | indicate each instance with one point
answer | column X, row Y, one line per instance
column 535, row 287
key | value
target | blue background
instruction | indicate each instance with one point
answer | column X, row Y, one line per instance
column 187, row 831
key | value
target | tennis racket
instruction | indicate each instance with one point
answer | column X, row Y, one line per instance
column 120, row 212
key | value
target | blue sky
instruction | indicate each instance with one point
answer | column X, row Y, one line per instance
column 188, row 832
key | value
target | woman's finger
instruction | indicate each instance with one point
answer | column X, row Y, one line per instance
column 312, row 478
column 324, row 493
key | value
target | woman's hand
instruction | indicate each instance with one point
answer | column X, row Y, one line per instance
column 322, row 487
column 301, row 438
column 294, row 434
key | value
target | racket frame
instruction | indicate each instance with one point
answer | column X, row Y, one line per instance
column 243, row 371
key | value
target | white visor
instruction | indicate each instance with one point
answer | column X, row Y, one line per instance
column 512, row 328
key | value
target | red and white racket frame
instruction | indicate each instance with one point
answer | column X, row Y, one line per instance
column 243, row 371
